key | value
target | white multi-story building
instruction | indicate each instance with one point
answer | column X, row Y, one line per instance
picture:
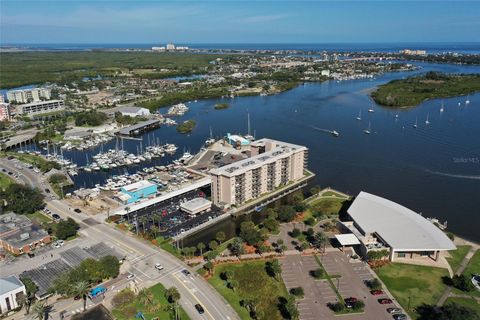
column 170, row 46
column 29, row 95
column 4, row 111
column 11, row 291
column 134, row 111
column 271, row 164
column 36, row 108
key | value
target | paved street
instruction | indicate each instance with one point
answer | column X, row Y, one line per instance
column 141, row 258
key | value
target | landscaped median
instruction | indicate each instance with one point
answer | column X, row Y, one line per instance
column 253, row 288
column 152, row 303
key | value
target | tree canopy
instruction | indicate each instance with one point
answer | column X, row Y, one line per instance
column 15, row 196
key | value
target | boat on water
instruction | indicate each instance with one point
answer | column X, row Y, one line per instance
column 359, row 117
column 427, row 121
column 468, row 100
column 369, row 129
column 371, row 110
column 335, row 133
column 248, row 136
column 210, row 140
column 441, row 107
column 415, row 125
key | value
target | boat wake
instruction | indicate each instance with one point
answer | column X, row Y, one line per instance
column 452, row 175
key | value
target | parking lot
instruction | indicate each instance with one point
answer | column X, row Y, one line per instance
column 318, row 293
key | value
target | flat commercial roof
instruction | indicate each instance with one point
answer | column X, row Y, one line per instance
column 348, row 239
column 140, row 125
column 281, row 150
column 401, row 228
column 147, row 203
column 138, row 185
column 195, row 204
column 8, row 284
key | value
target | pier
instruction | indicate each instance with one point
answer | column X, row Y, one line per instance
column 139, row 127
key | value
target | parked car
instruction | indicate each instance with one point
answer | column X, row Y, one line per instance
column 376, row 292
column 349, row 302
column 186, row 272
column 199, row 308
column 158, row 266
column 55, row 216
column 394, row 310
column 31, row 254
column 77, row 210
column 400, row 316
column 385, row 301
column 130, row 276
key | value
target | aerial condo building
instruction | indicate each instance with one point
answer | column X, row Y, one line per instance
column 271, row 164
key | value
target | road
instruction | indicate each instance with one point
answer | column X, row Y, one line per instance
column 141, row 257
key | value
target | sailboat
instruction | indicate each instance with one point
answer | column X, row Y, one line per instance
column 249, row 137
column 210, row 141
column 468, row 100
column 416, row 122
column 441, row 108
column 426, row 121
column 368, row 130
column 371, row 109
column 359, row 115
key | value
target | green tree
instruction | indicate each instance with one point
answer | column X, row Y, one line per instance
column 249, row 233
column 273, row 268
column 213, row 245
column 236, row 247
column 271, row 224
column 39, row 310
column 209, row 266
column 110, row 267
column 201, row 246
column 81, row 289
column 145, row 296
column 66, row 229
column 462, row 283
column 15, row 194
column 286, row 213
column 31, row 289
column 320, row 240
column 220, row 236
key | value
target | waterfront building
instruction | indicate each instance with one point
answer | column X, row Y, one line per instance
column 271, row 164
column 158, row 48
column 413, row 52
column 381, row 224
column 12, row 290
column 4, row 111
column 170, row 46
column 19, row 235
column 134, row 111
column 40, row 107
column 196, row 206
column 139, row 190
column 29, row 95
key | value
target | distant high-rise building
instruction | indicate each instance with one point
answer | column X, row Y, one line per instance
column 4, row 111
column 413, row 52
column 28, row 95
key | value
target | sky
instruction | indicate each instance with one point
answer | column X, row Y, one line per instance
column 228, row 21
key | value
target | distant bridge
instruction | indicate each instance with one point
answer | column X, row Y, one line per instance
column 371, row 59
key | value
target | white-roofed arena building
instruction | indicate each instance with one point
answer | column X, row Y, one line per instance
column 381, row 224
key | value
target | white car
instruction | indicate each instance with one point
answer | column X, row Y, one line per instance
column 60, row 242
column 130, row 276
column 158, row 266
column 56, row 245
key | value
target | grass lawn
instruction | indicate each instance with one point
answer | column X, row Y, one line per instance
column 39, row 217
column 465, row 302
column 457, row 256
column 5, row 181
column 167, row 245
column 327, row 206
column 473, row 267
column 253, row 283
column 129, row 310
column 421, row 283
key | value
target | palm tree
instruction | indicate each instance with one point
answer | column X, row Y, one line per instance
column 143, row 220
column 173, row 296
column 155, row 230
column 201, row 246
column 39, row 309
column 127, row 210
column 158, row 217
column 81, row 288
column 220, row 236
column 145, row 296
column 320, row 240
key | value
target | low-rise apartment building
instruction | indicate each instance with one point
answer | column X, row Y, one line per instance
column 40, row 107
column 271, row 164
column 4, row 111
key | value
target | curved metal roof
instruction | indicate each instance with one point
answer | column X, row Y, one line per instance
column 402, row 228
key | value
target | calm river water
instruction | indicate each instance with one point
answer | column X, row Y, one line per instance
column 434, row 169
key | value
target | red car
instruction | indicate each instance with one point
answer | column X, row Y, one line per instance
column 376, row 292
column 385, row 301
